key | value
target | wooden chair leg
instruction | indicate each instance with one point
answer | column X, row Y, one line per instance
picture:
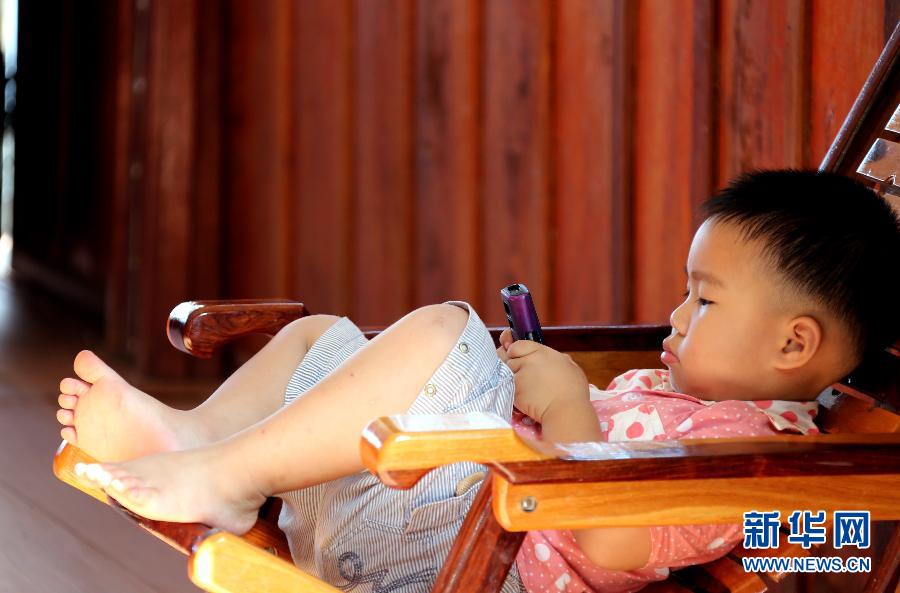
column 887, row 573
column 482, row 553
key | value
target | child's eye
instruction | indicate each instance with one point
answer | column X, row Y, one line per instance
column 686, row 293
column 703, row 302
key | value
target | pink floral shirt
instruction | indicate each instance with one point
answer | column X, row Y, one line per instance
column 641, row 406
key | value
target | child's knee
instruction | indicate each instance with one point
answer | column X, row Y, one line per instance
column 442, row 321
column 308, row 329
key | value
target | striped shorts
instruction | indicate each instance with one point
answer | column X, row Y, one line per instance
column 361, row 536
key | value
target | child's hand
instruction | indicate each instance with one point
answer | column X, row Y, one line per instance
column 544, row 376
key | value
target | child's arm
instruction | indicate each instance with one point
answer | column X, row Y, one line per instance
column 552, row 389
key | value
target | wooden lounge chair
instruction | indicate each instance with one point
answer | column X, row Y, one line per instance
column 527, row 488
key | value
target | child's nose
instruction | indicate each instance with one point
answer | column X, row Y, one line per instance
column 678, row 319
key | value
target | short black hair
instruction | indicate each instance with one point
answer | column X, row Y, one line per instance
column 830, row 237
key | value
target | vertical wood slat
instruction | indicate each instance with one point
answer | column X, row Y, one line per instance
column 515, row 205
column 64, row 124
column 844, row 46
column 672, row 146
column 116, row 185
column 207, row 216
column 165, row 243
column 257, row 148
column 177, row 181
column 446, row 240
column 761, row 90
column 591, row 164
column 322, row 181
column 136, row 190
column 382, row 270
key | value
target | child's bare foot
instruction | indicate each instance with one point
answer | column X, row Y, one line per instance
column 109, row 419
column 197, row 485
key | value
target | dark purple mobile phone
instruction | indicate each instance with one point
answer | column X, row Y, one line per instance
column 520, row 313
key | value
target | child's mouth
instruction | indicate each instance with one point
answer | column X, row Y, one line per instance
column 668, row 358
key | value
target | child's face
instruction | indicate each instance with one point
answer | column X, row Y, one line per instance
column 726, row 331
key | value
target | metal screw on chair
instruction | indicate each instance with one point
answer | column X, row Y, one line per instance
column 528, row 504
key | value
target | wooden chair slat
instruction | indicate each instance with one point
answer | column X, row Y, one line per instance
column 894, row 124
column 846, row 414
column 605, row 338
column 602, row 367
column 882, row 163
column 869, row 114
column 886, row 574
column 467, row 568
column 877, row 379
column 777, row 456
column 580, row 505
column 225, row 563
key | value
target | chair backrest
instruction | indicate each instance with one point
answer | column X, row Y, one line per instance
column 605, row 352
column 867, row 148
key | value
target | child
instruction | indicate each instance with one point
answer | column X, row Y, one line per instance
column 784, row 296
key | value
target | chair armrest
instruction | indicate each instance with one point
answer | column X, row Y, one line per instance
column 547, row 486
column 64, row 469
column 184, row 537
column 200, row 327
column 220, row 562
column 401, row 449
column 224, row 562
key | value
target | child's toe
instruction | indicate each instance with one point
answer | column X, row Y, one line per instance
column 81, row 470
column 70, row 386
column 67, row 401
column 89, row 367
column 65, row 417
column 133, row 494
column 69, row 435
column 94, row 474
column 125, row 485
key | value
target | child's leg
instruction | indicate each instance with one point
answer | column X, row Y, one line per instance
column 357, row 534
column 113, row 421
column 256, row 390
column 314, row 439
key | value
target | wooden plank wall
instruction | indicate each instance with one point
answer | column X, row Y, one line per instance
column 371, row 157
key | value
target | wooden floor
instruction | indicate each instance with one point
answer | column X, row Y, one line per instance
column 53, row 538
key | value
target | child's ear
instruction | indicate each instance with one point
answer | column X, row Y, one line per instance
column 798, row 343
